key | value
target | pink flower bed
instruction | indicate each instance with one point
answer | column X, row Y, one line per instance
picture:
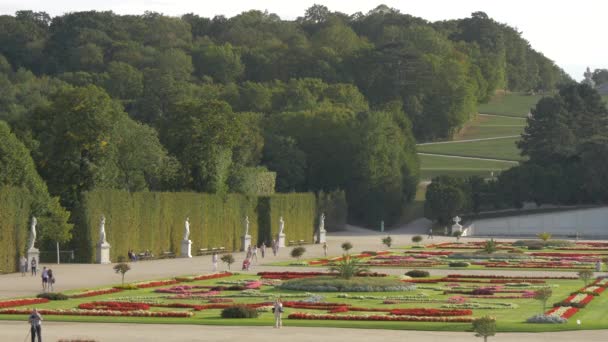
column 78, row 312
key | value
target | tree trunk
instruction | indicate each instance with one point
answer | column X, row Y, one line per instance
column 123, row 279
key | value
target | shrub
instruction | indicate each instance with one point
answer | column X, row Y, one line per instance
column 490, row 246
column 457, row 234
column 356, row 284
column 228, row 259
column 388, row 241
column 240, row 311
column 52, row 296
column 348, row 267
column 543, row 296
column 546, row 319
column 347, row 246
column 127, row 287
column 482, row 292
column 416, row 239
column 459, row 264
column 417, row 274
column 544, row 236
column 585, row 275
column 122, row 268
column 535, row 247
column 484, row 327
column 297, row 252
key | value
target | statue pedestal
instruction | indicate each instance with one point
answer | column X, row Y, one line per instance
column 281, row 241
column 246, row 242
column 321, row 237
column 456, row 228
column 33, row 253
column 103, row 253
column 186, row 251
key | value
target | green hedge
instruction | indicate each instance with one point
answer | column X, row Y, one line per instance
column 14, row 225
column 155, row 220
column 334, row 205
column 298, row 211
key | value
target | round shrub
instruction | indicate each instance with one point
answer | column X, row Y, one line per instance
column 239, row 311
column 52, row 296
column 355, row 284
column 417, row 274
column 459, row 264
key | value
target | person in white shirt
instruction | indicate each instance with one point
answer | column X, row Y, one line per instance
column 214, row 261
column 278, row 313
column 23, row 264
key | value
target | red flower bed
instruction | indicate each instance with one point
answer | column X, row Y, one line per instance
column 95, row 293
column 431, row 312
column 314, row 306
column 76, row 312
column 478, row 276
column 114, row 306
column 339, row 309
column 396, row 318
column 156, row 283
column 291, row 275
column 567, row 314
column 213, row 276
column 20, row 302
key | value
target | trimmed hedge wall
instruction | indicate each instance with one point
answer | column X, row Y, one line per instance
column 298, row 211
column 14, row 225
column 334, row 205
column 155, row 220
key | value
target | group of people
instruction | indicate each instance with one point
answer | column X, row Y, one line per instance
column 48, row 278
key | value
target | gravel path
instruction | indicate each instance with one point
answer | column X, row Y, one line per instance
column 119, row 332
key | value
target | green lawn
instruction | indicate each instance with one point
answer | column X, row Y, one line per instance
column 503, row 149
column 490, row 126
column 432, row 166
column 508, row 319
column 511, row 104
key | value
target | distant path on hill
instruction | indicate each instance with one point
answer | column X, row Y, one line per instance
column 463, row 157
column 469, row 140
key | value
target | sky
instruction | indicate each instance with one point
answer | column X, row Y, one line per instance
column 571, row 33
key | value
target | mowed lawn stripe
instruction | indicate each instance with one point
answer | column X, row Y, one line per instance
column 501, row 149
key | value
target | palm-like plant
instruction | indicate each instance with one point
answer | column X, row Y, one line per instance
column 348, row 267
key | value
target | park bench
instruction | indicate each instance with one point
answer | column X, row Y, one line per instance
column 144, row 256
column 167, row 254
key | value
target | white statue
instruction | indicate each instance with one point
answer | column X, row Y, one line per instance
column 457, row 219
column 187, row 229
column 32, row 233
column 246, row 225
column 102, row 230
column 322, row 223
column 281, row 226
column 589, row 78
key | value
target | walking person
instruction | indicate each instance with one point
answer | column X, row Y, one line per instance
column 35, row 321
column 430, row 233
column 325, row 248
column 214, row 261
column 274, row 247
column 278, row 313
column 45, row 279
column 33, row 266
column 50, row 281
column 263, row 249
column 254, row 253
column 23, row 265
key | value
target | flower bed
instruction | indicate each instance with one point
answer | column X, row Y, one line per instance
column 157, row 283
column 432, row 312
column 79, row 312
column 20, row 302
column 562, row 311
column 114, row 306
column 478, row 276
column 213, row 276
column 291, row 275
column 397, row 318
column 94, row 293
column 579, row 300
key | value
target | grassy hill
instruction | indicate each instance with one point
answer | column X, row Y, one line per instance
column 510, row 104
column 433, row 166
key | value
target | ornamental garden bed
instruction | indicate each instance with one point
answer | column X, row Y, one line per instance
column 445, row 303
column 511, row 256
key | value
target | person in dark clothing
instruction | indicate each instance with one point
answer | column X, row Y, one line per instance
column 33, row 266
column 35, row 321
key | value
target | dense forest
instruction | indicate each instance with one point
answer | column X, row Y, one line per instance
column 326, row 102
